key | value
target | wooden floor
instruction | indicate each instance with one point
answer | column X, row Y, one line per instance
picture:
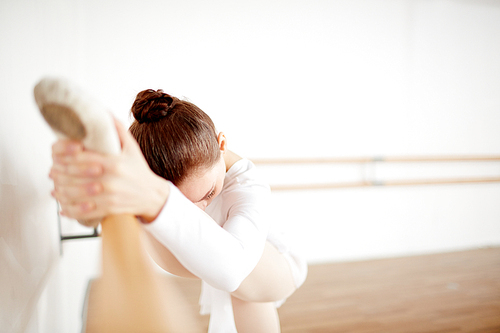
column 440, row 293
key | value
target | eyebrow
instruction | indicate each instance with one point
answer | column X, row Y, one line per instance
column 208, row 193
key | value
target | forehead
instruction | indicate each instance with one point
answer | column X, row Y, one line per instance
column 198, row 183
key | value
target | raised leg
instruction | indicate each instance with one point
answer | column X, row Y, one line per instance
column 255, row 317
column 164, row 258
column 130, row 296
column 270, row 281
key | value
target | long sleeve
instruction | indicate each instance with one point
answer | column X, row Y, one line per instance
column 221, row 256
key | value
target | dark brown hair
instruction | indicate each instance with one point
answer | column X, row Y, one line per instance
column 175, row 136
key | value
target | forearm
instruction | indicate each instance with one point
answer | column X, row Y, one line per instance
column 222, row 258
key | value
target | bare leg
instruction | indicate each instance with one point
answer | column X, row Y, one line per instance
column 270, row 281
column 253, row 317
column 164, row 258
column 253, row 302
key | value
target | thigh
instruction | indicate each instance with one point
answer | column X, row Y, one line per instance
column 164, row 258
column 270, row 281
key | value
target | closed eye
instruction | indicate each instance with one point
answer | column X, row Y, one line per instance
column 211, row 194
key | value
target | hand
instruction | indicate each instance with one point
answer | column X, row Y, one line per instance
column 90, row 186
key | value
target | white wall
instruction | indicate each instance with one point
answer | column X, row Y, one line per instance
column 281, row 79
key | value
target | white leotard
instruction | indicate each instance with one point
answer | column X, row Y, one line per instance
column 223, row 244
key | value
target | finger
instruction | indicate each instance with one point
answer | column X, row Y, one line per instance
column 73, row 193
column 126, row 138
column 85, row 156
column 88, row 210
column 92, row 223
column 83, row 165
column 82, row 210
column 120, row 130
column 62, row 179
column 78, row 170
column 66, row 147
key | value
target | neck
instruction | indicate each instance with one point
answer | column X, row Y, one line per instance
column 230, row 158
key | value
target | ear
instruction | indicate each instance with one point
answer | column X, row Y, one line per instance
column 221, row 138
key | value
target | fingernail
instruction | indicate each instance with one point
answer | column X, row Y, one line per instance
column 58, row 160
column 94, row 170
column 90, row 189
column 71, row 148
column 93, row 188
column 87, row 206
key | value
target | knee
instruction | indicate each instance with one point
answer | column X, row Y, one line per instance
column 263, row 295
column 270, row 281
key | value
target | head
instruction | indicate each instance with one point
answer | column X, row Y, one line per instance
column 180, row 143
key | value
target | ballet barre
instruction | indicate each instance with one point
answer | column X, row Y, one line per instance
column 331, row 160
column 380, row 159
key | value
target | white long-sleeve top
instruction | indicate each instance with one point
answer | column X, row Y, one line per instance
column 222, row 245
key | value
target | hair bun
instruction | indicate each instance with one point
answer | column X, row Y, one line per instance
column 152, row 105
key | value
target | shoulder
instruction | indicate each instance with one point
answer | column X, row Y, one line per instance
column 243, row 176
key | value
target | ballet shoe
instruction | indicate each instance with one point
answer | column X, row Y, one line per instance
column 73, row 114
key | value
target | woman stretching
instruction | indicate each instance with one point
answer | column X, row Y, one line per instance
column 204, row 209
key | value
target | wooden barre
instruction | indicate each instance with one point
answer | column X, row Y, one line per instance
column 390, row 159
column 326, row 186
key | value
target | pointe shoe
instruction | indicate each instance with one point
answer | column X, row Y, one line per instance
column 72, row 114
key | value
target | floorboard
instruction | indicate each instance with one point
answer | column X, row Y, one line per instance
column 439, row 293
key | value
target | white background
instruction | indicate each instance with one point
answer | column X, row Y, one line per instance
column 303, row 78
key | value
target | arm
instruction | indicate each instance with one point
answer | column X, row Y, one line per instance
column 90, row 186
column 223, row 257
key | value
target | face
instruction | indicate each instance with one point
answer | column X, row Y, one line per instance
column 203, row 186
